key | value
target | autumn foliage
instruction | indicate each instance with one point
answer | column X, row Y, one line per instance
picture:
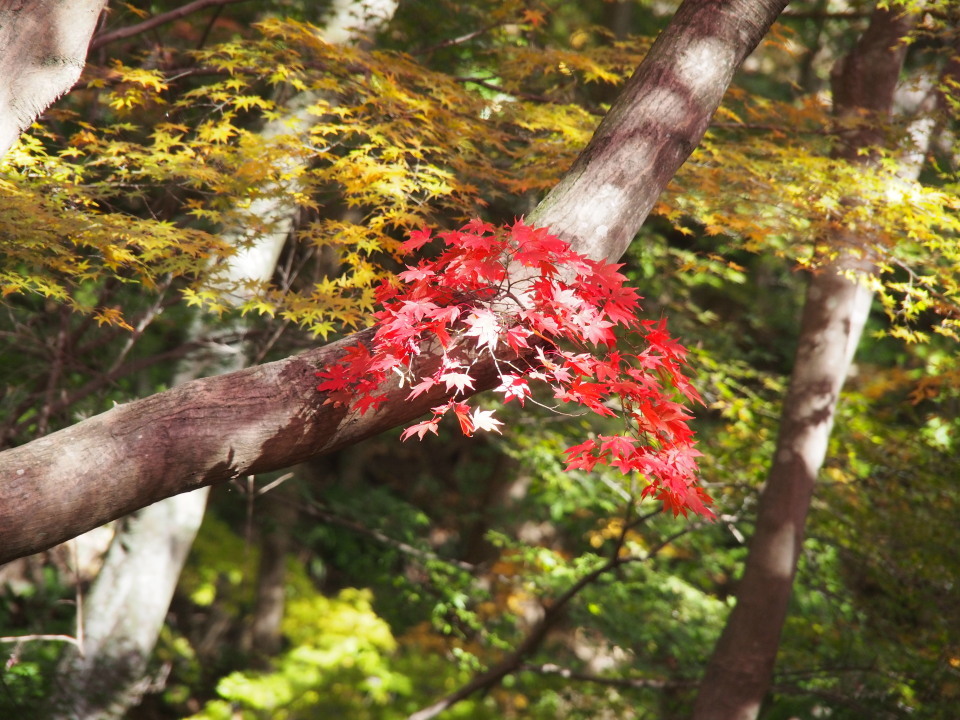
column 544, row 315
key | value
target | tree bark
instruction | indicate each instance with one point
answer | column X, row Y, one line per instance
column 271, row 417
column 43, row 46
column 740, row 671
column 656, row 122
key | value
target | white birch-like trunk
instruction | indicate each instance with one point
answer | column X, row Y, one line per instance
column 128, row 602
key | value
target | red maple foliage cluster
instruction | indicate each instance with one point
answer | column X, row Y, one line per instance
column 543, row 313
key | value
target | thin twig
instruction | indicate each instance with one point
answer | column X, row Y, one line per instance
column 78, row 594
column 772, row 127
column 56, row 371
column 624, row 682
column 149, row 315
column 270, row 486
column 824, row 15
column 206, row 31
column 50, row 638
column 157, row 20
column 381, row 537
column 98, row 383
column 513, row 93
column 458, row 40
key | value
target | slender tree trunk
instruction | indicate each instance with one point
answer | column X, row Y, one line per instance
column 131, row 592
column 43, row 46
column 271, row 417
column 129, row 601
column 740, row 671
column 277, row 515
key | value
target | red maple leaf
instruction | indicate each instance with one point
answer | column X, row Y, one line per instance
column 417, row 239
column 421, row 429
column 369, row 402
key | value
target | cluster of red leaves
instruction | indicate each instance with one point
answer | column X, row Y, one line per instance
column 543, row 313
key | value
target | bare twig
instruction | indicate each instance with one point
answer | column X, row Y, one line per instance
column 381, row 537
column 98, row 383
column 458, row 40
column 270, row 486
column 157, row 20
column 56, row 371
column 30, row 638
column 623, row 682
column 824, row 15
column 484, row 83
column 76, row 641
column 206, row 31
column 772, row 127
column 148, row 317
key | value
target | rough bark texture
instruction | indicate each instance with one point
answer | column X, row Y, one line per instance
column 740, row 671
column 271, row 417
column 43, row 45
column 658, row 120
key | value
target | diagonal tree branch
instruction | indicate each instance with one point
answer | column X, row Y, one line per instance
column 270, row 417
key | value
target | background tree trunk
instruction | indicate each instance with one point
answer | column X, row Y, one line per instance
column 127, row 607
column 129, row 601
column 739, row 673
column 277, row 515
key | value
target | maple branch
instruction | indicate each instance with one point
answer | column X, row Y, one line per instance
column 450, row 42
column 106, row 38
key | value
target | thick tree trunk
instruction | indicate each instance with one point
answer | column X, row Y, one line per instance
column 270, row 417
column 43, row 46
column 740, row 671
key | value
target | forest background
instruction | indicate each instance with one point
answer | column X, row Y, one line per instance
column 227, row 184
